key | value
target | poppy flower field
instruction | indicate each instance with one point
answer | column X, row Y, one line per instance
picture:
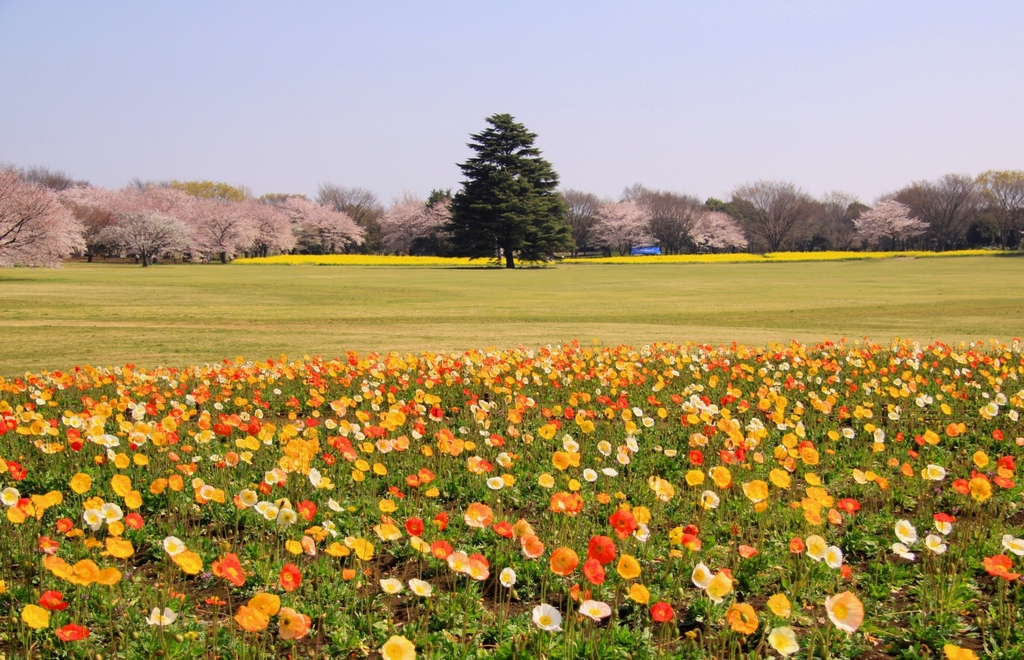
column 576, row 501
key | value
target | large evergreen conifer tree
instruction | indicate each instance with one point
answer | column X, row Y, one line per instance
column 508, row 205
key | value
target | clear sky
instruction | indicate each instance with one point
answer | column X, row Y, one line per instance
column 698, row 97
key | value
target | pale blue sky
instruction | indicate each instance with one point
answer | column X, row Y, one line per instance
column 698, row 97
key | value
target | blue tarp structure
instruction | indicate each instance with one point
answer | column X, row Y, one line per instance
column 645, row 250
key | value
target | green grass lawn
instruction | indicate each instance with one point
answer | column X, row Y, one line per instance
column 178, row 314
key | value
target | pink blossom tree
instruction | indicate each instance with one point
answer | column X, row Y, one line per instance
column 272, row 228
column 96, row 208
column 714, row 231
column 410, row 220
column 106, row 207
column 621, row 226
column 221, row 229
column 35, row 228
column 146, row 235
column 888, row 223
column 322, row 227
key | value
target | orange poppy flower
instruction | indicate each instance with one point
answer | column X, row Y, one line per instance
column 532, row 546
column 230, row 569
column 251, row 619
column 741, row 618
column 564, row 561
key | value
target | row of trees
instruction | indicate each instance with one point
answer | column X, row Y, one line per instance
column 508, row 207
column 203, row 220
column 767, row 216
column 46, row 217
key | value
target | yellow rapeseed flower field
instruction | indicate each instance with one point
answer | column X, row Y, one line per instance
column 732, row 258
column 743, row 257
column 362, row 260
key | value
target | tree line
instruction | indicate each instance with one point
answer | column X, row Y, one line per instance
column 509, row 207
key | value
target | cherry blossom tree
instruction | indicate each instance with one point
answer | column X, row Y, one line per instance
column 103, row 207
column 272, row 229
column 400, row 224
column 96, row 209
column 220, row 228
column 146, row 235
column 715, row 230
column 621, row 226
column 321, row 227
column 888, row 223
column 409, row 221
column 362, row 206
column 35, row 228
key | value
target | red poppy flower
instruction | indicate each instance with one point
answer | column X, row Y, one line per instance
column 72, row 632
column 696, row 457
column 849, row 505
column 441, row 549
column 134, row 521
column 662, row 612
column 17, row 472
column 602, row 549
column 747, row 551
column 593, row 571
column 53, row 601
column 623, row 522
column 999, row 566
column 1003, row 482
column 290, row 578
column 441, row 521
column 503, row 528
column 962, row 486
column 65, row 525
column 48, row 545
column 414, row 526
column 307, row 510
column 796, row 545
